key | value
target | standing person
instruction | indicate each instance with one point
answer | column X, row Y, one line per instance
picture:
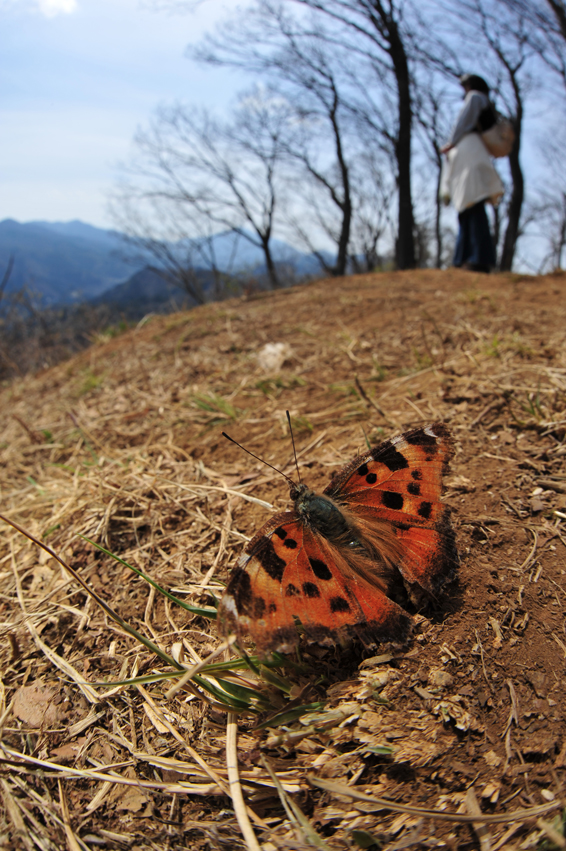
column 469, row 178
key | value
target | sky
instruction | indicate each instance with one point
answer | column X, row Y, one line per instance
column 77, row 78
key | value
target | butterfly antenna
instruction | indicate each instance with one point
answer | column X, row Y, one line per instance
column 261, row 460
column 294, row 450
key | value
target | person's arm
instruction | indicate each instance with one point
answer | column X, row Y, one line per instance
column 467, row 120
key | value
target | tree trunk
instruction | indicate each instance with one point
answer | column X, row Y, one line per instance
column 516, row 200
column 271, row 268
column 438, row 208
column 559, row 10
column 496, row 229
column 389, row 41
column 405, row 247
column 346, row 205
column 342, row 257
column 562, row 238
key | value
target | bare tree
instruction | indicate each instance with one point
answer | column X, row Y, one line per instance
column 506, row 51
column 193, row 175
column 551, row 220
column 546, row 20
column 548, row 210
column 379, row 32
column 368, row 39
column 507, row 36
column 373, row 192
column 293, row 56
column 432, row 117
column 318, row 147
column 156, row 227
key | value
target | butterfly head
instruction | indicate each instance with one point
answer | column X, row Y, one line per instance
column 296, row 492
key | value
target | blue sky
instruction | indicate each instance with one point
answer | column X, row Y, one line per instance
column 77, row 77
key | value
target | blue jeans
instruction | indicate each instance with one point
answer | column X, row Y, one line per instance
column 474, row 245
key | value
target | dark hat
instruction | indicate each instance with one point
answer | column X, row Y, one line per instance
column 474, row 82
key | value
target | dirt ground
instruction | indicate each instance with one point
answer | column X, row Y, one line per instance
column 123, row 445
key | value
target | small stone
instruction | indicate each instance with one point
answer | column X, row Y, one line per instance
column 538, row 681
column 440, row 678
column 35, row 705
column 491, row 791
column 492, row 759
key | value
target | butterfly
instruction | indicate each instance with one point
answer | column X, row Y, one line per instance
column 332, row 562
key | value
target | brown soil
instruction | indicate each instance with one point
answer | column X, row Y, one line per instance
column 122, row 444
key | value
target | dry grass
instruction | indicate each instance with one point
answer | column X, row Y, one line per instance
column 121, row 445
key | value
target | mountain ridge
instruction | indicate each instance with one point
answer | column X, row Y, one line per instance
column 64, row 263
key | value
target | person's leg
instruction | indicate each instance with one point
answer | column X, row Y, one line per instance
column 482, row 252
column 462, row 249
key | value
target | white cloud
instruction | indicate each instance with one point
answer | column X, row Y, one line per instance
column 50, row 8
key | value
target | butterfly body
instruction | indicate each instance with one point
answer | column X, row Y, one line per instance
column 330, row 562
column 322, row 514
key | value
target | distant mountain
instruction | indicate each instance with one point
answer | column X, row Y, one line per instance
column 62, row 263
column 65, row 263
column 148, row 292
column 232, row 252
column 77, row 230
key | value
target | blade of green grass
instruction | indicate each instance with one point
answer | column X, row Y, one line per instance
column 195, row 610
column 223, row 696
column 241, row 692
column 102, row 603
column 290, row 715
column 274, row 679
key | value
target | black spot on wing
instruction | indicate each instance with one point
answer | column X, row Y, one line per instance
column 258, row 607
column 414, row 489
column 240, row 587
column 403, row 527
column 272, row 608
column 416, row 474
column 424, row 510
column 290, row 544
column 392, row 500
column 419, row 437
column 310, row 589
column 281, row 533
column 292, row 590
column 389, row 456
column 339, row 604
column 363, row 470
column 371, row 478
column 320, row 569
column 268, row 558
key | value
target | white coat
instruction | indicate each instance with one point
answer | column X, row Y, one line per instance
column 468, row 175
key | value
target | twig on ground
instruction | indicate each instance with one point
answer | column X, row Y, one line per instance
column 372, row 403
column 473, row 808
column 235, row 786
column 71, row 838
column 528, row 814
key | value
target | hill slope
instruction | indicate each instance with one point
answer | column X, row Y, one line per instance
column 122, row 444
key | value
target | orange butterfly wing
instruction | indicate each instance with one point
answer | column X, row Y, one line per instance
column 289, row 572
column 401, row 481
